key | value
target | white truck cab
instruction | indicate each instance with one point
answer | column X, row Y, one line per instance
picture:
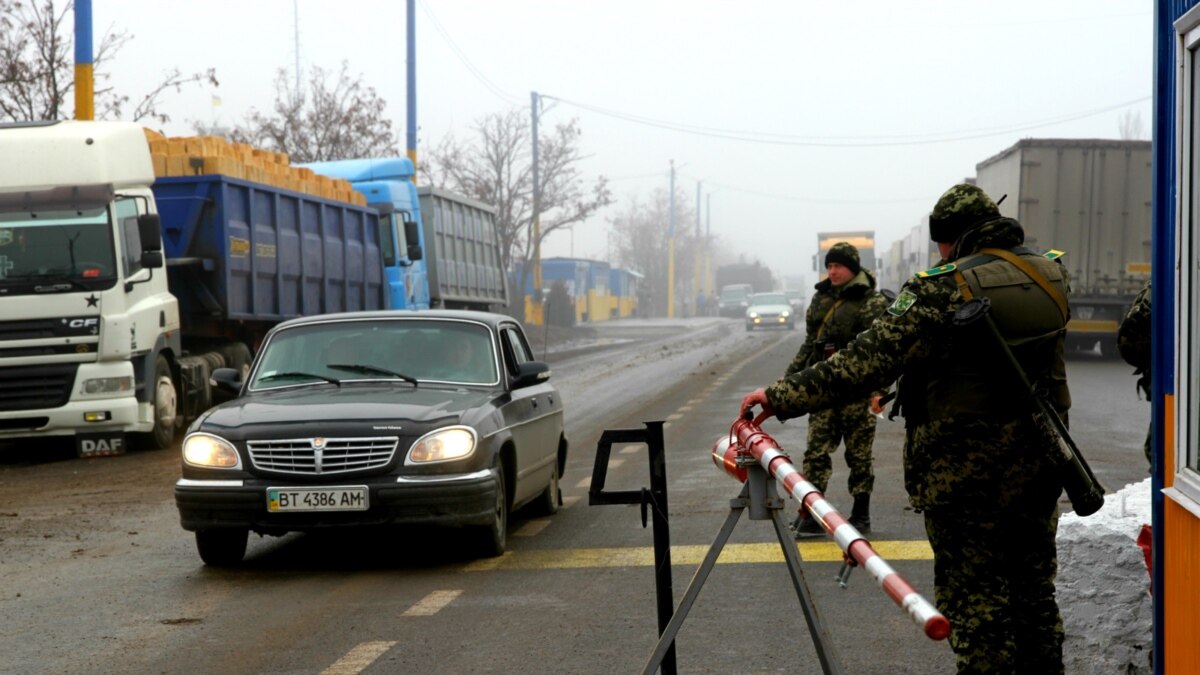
column 85, row 313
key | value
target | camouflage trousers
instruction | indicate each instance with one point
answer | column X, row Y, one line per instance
column 994, row 580
column 852, row 423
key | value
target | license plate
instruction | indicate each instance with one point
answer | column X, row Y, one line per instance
column 354, row 498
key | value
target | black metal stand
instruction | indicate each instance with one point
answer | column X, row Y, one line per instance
column 656, row 497
column 764, row 503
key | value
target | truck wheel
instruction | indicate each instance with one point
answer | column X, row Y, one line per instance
column 221, row 548
column 237, row 356
column 490, row 540
column 162, row 391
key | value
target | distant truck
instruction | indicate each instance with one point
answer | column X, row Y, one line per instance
column 121, row 292
column 1091, row 199
column 757, row 275
column 863, row 240
column 734, row 300
column 441, row 250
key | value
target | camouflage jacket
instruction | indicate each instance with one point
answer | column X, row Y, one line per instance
column 1133, row 337
column 850, row 310
column 984, row 460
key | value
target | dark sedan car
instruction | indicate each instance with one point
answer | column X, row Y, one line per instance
column 376, row 418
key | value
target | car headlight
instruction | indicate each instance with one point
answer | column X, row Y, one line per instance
column 753, row 315
column 443, row 445
column 211, row 452
column 785, row 314
column 106, row 385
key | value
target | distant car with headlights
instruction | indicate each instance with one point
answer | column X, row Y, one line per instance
column 768, row 310
column 375, row 418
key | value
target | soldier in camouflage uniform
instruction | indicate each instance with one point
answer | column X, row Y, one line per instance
column 1133, row 341
column 845, row 304
column 988, row 491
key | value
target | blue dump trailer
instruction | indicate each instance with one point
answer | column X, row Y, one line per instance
column 440, row 249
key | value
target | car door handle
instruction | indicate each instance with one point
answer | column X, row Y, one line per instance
column 533, row 400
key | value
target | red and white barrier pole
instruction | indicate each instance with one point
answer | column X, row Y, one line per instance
column 748, row 440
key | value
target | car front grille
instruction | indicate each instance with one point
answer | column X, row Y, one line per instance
column 322, row 456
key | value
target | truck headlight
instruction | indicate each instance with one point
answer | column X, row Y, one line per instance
column 106, row 385
column 212, row 452
column 443, row 445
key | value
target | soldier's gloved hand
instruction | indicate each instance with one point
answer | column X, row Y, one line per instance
column 876, row 405
column 757, row 397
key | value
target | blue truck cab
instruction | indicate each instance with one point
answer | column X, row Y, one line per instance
column 387, row 185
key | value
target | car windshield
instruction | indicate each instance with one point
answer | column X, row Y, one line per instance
column 456, row 352
column 733, row 294
column 768, row 299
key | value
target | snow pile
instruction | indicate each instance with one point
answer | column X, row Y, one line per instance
column 1103, row 586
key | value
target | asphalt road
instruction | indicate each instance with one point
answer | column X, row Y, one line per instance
column 96, row 575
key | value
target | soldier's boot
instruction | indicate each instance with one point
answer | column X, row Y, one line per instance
column 860, row 514
column 805, row 526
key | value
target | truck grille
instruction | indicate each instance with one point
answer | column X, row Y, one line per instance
column 320, row 456
column 35, row 387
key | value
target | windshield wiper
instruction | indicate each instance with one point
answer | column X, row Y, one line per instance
column 293, row 374
column 371, row 370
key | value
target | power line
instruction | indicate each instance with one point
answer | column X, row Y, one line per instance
column 811, row 200
column 771, row 138
column 491, row 86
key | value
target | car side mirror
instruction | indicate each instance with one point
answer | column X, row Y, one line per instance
column 531, row 373
column 227, row 381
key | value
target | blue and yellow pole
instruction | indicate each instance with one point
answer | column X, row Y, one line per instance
column 84, row 84
column 411, row 112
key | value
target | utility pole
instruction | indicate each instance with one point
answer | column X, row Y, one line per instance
column 411, row 19
column 84, row 82
column 534, row 101
column 708, row 279
column 296, row 36
column 671, row 249
column 696, row 255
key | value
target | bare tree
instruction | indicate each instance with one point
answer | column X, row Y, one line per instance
column 496, row 168
column 1130, row 126
column 37, row 71
column 338, row 119
column 642, row 234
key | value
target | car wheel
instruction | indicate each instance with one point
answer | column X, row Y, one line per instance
column 551, row 498
column 491, row 539
column 749, row 327
column 221, row 548
column 162, row 389
column 791, row 326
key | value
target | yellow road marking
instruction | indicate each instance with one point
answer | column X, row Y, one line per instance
column 676, row 416
column 585, row 483
column 532, row 528
column 643, row 556
column 358, row 659
column 630, row 450
column 685, row 408
column 569, row 501
column 432, row 603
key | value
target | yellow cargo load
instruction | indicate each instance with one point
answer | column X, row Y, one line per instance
column 214, row 155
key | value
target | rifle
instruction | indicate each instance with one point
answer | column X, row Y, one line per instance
column 1086, row 493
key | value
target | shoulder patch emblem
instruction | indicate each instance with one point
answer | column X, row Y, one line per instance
column 1053, row 254
column 933, row 272
column 902, row 303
